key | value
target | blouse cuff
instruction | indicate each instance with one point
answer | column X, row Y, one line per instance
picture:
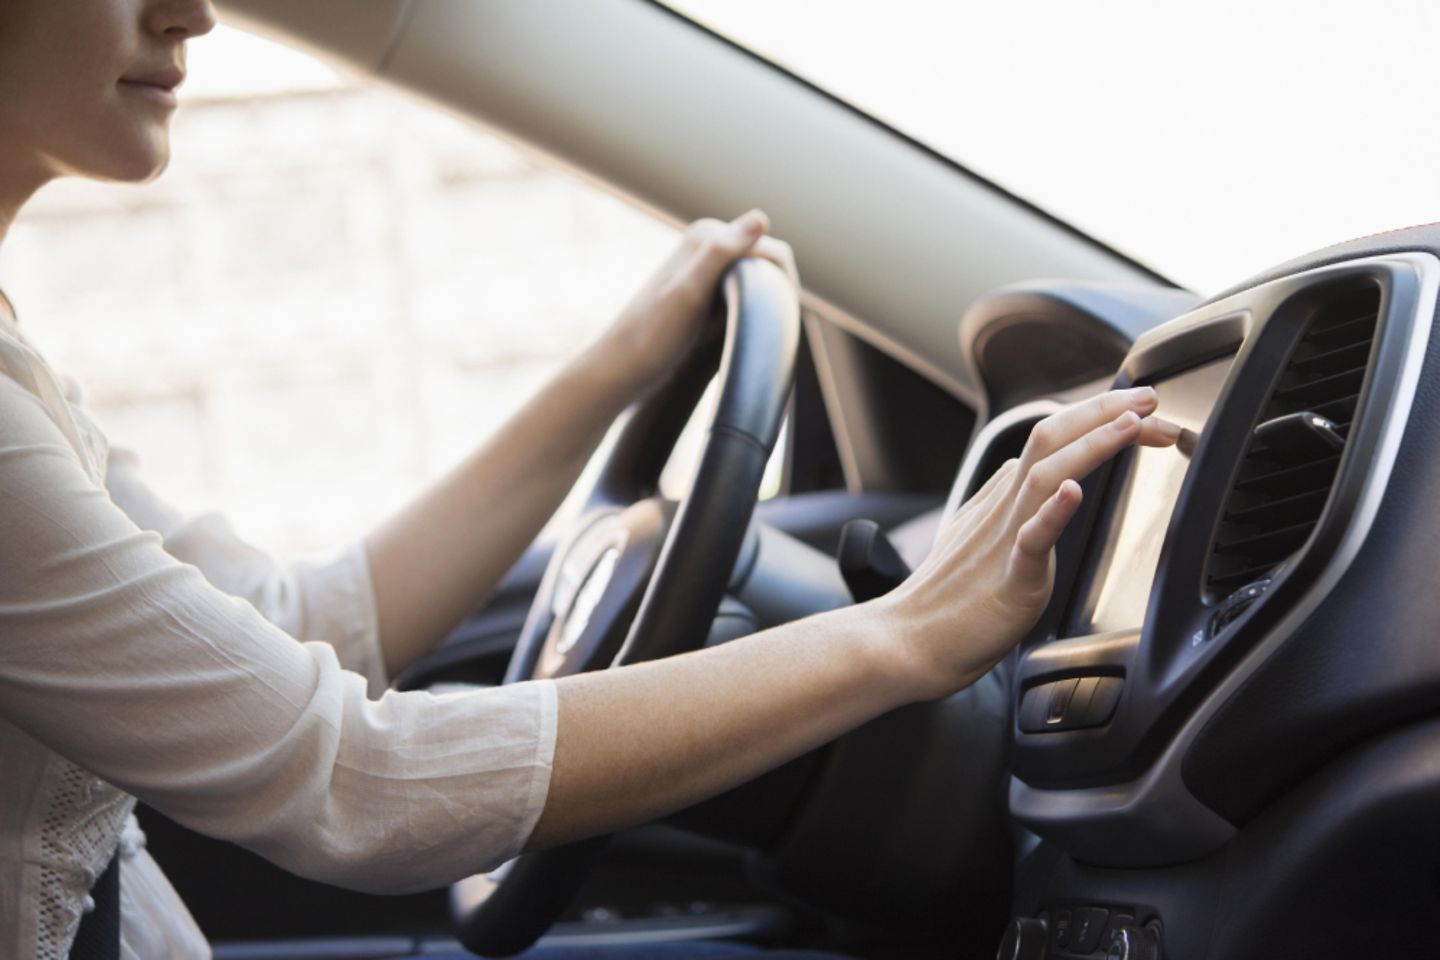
column 542, row 766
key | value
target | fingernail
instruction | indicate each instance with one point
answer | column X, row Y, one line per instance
column 1143, row 393
column 1126, row 421
column 1168, row 430
column 753, row 223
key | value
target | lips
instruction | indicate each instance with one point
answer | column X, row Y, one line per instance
column 157, row 85
column 166, row 78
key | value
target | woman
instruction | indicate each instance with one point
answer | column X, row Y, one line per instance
column 125, row 672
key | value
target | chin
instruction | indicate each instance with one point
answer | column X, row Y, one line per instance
column 125, row 156
column 153, row 169
column 139, row 166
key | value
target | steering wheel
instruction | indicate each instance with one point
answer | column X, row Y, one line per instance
column 638, row 577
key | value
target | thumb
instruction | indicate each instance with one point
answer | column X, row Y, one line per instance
column 744, row 230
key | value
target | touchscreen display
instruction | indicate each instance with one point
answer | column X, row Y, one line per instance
column 1126, row 568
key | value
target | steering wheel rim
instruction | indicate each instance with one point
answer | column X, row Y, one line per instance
column 691, row 559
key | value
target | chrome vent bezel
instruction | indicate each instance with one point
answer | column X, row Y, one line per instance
column 1150, row 816
column 1278, row 492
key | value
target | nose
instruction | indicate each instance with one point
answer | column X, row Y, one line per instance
column 179, row 19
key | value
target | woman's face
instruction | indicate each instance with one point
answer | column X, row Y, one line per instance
column 87, row 86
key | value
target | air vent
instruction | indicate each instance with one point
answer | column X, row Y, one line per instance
column 1290, row 460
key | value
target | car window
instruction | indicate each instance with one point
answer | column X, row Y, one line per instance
column 333, row 295
column 1207, row 140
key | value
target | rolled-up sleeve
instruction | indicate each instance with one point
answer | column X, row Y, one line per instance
column 131, row 663
column 329, row 600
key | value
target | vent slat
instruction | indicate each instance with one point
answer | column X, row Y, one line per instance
column 1277, row 542
column 1281, row 490
column 1307, row 503
column 1223, row 584
column 1339, row 411
column 1310, row 391
column 1344, row 359
column 1361, row 329
column 1292, row 477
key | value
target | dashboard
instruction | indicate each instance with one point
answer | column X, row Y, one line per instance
column 1200, row 658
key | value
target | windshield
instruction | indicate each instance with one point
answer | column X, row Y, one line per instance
column 1207, row 141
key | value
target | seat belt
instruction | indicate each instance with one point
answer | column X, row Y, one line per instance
column 99, row 935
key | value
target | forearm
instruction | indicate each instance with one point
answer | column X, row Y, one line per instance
column 642, row 741
column 645, row 740
column 434, row 561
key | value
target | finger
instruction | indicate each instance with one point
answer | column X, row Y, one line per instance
column 779, row 253
column 1074, row 461
column 1030, row 558
column 721, row 243
column 1063, row 428
column 750, row 225
column 1157, row 432
column 711, row 245
column 1186, row 443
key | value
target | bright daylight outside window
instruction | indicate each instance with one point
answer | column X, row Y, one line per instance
column 1206, row 140
column 332, row 295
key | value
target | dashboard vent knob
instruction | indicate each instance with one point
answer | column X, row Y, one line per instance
column 1289, row 464
column 1303, row 434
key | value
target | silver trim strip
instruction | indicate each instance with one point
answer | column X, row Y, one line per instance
column 980, row 446
column 830, row 393
column 1155, row 819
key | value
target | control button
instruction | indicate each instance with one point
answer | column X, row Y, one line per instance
column 1147, row 941
column 1063, row 692
column 1070, row 704
column 1136, row 943
column 1119, row 924
column 1033, row 708
column 1103, row 701
column 1237, row 603
column 1079, row 713
column 1062, row 928
column 1089, row 928
column 1024, row 940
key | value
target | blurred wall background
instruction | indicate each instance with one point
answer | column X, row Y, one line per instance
column 332, row 295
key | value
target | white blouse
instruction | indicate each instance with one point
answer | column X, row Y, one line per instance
column 143, row 654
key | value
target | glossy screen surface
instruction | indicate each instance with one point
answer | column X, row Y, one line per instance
column 1126, row 569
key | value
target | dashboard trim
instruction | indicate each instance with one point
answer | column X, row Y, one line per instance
column 975, row 456
column 1155, row 819
column 1185, row 348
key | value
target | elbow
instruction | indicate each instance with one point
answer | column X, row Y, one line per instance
column 361, row 867
column 367, row 854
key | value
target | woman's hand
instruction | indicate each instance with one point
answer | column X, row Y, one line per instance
column 989, row 576
column 646, row 739
column 431, row 561
column 663, row 321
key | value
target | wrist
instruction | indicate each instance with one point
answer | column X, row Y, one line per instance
column 607, row 376
column 925, row 656
column 886, row 648
column 620, row 366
